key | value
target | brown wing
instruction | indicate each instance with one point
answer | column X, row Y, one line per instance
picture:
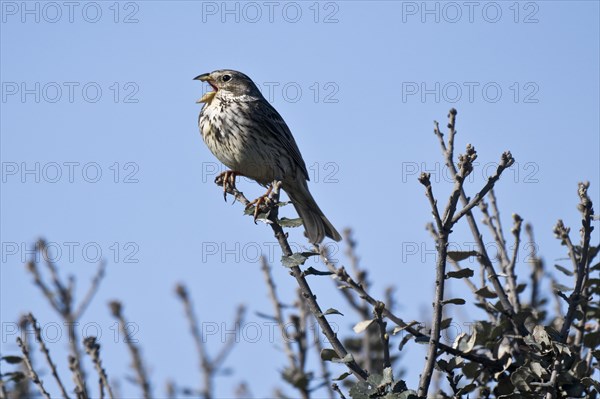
column 273, row 123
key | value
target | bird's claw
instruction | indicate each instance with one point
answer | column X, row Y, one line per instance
column 258, row 202
column 227, row 178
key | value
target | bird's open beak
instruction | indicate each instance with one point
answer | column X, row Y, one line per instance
column 204, row 77
column 207, row 97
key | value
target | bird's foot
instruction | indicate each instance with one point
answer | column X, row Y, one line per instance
column 259, row 202
column 227, row 179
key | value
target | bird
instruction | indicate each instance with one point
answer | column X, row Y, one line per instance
column 247, row 134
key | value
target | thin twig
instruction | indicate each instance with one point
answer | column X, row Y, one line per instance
column 266, row 268
column 32, row 374
column 581, row 267
column 93, row 350
column 346, row 281
column 362, row 309
column 537, row 268
column 444, row 229
column 78, row 379
column 510, row 269
column 324, row 368
column 94, row 286
column 225, row 350
column 385, row 338
column 46, row 352
column 505, row 161
column 205, row 364
column 138, row 365
column 296, row 272
column 496, row 231
column 337, row 389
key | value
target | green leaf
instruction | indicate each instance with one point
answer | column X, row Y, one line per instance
column 328, row 355
column 592, row 339
column 397, row 329
column 521, row 379
column 462, row 273
column 564, row 270
column 423, row 339
column 486, row 293
column 296, row 259
column 15, row 376
column 471, row 370
column 362, row 325
column 454, row 301
column 333, row 311
column 12, row 359
column 285, row 222
column 342, row 377
column 457, row 256
column 589, row 382
column 445, row 323
column 541, row 337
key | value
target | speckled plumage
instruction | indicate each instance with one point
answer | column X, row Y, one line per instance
column 248, row 135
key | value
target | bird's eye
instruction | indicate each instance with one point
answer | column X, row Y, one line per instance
column 226, row 78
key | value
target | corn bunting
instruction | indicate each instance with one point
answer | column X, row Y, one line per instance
column 248, row 135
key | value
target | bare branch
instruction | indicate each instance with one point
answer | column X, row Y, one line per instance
column 93, row 350
column 266, row 268
column 46, row 352
column 32, row 374
column 385, row 338
column 506, row 161
column 225, row 350
column 142, row 378
column 205, row 364
column 519, row 326
column 94, row 286
column 510, row 269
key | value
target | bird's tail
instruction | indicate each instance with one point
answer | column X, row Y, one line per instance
column 316, row 225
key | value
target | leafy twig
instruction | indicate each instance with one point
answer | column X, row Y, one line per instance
column 295, row 271
column 506, row 161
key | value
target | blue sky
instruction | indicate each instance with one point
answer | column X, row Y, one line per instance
column 98, row 102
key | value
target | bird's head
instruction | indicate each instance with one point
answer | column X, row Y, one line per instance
column 228, row 81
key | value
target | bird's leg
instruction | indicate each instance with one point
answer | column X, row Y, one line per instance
column 228, row 180
column 259, row 201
